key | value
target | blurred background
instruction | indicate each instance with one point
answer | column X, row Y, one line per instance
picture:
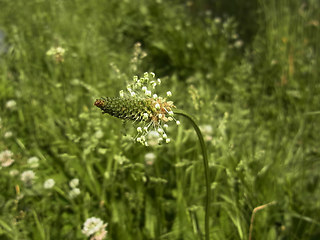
column 246, row 70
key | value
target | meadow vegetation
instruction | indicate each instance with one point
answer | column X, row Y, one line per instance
column 248, row 71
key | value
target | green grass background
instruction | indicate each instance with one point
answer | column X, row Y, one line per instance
column 248, row 69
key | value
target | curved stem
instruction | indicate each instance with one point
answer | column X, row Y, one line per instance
column 206, row 167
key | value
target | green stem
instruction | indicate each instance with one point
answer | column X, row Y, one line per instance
column 206, row 167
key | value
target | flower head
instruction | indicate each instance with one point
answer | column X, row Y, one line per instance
column 6, row 158
column 49, row 183
column 74, row 192
column 8, row 134
column 28, row 176
column 74, row 182
column 95, row 228
column 143, row 106
column 149, row 158
column 11, row 104
column 57, row 53
column 33, row 162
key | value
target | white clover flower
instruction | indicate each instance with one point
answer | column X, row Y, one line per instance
column 238, row 44
column 49, row 183
column 57, row 53
column 153, row 138
column 6, row 158
column 74, row 192
column 93, row 226
column 149, row 158
column 14, row 172
column 33, row 162
column 27, row 177
column 11, row 104
column 99, row 134
column 74, row 183
column 8, row 134
column 151, row 111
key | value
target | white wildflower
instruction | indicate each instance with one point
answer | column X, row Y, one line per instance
column 99, row 134
column 8, row 134
column 14, row 172
column 93, row 226
column 153, row 138
column 33, row 162
column 6, row 158
column 149, row 158
column 11, row 104
column 74, row 183
column 27, row 177
column 49, row 183
column 238, row 44
column 74, row 192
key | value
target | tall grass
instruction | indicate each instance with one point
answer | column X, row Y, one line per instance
column 254, row 89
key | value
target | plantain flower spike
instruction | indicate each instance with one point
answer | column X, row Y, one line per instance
column 143, row 106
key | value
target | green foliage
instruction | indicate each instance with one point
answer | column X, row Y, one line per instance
column 247, row 72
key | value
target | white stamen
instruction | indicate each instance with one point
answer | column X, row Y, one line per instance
column 168, row 140
column 148, row 93
column 157, row 106
column 178, row 122
column 169, row 94
column 145, row 115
